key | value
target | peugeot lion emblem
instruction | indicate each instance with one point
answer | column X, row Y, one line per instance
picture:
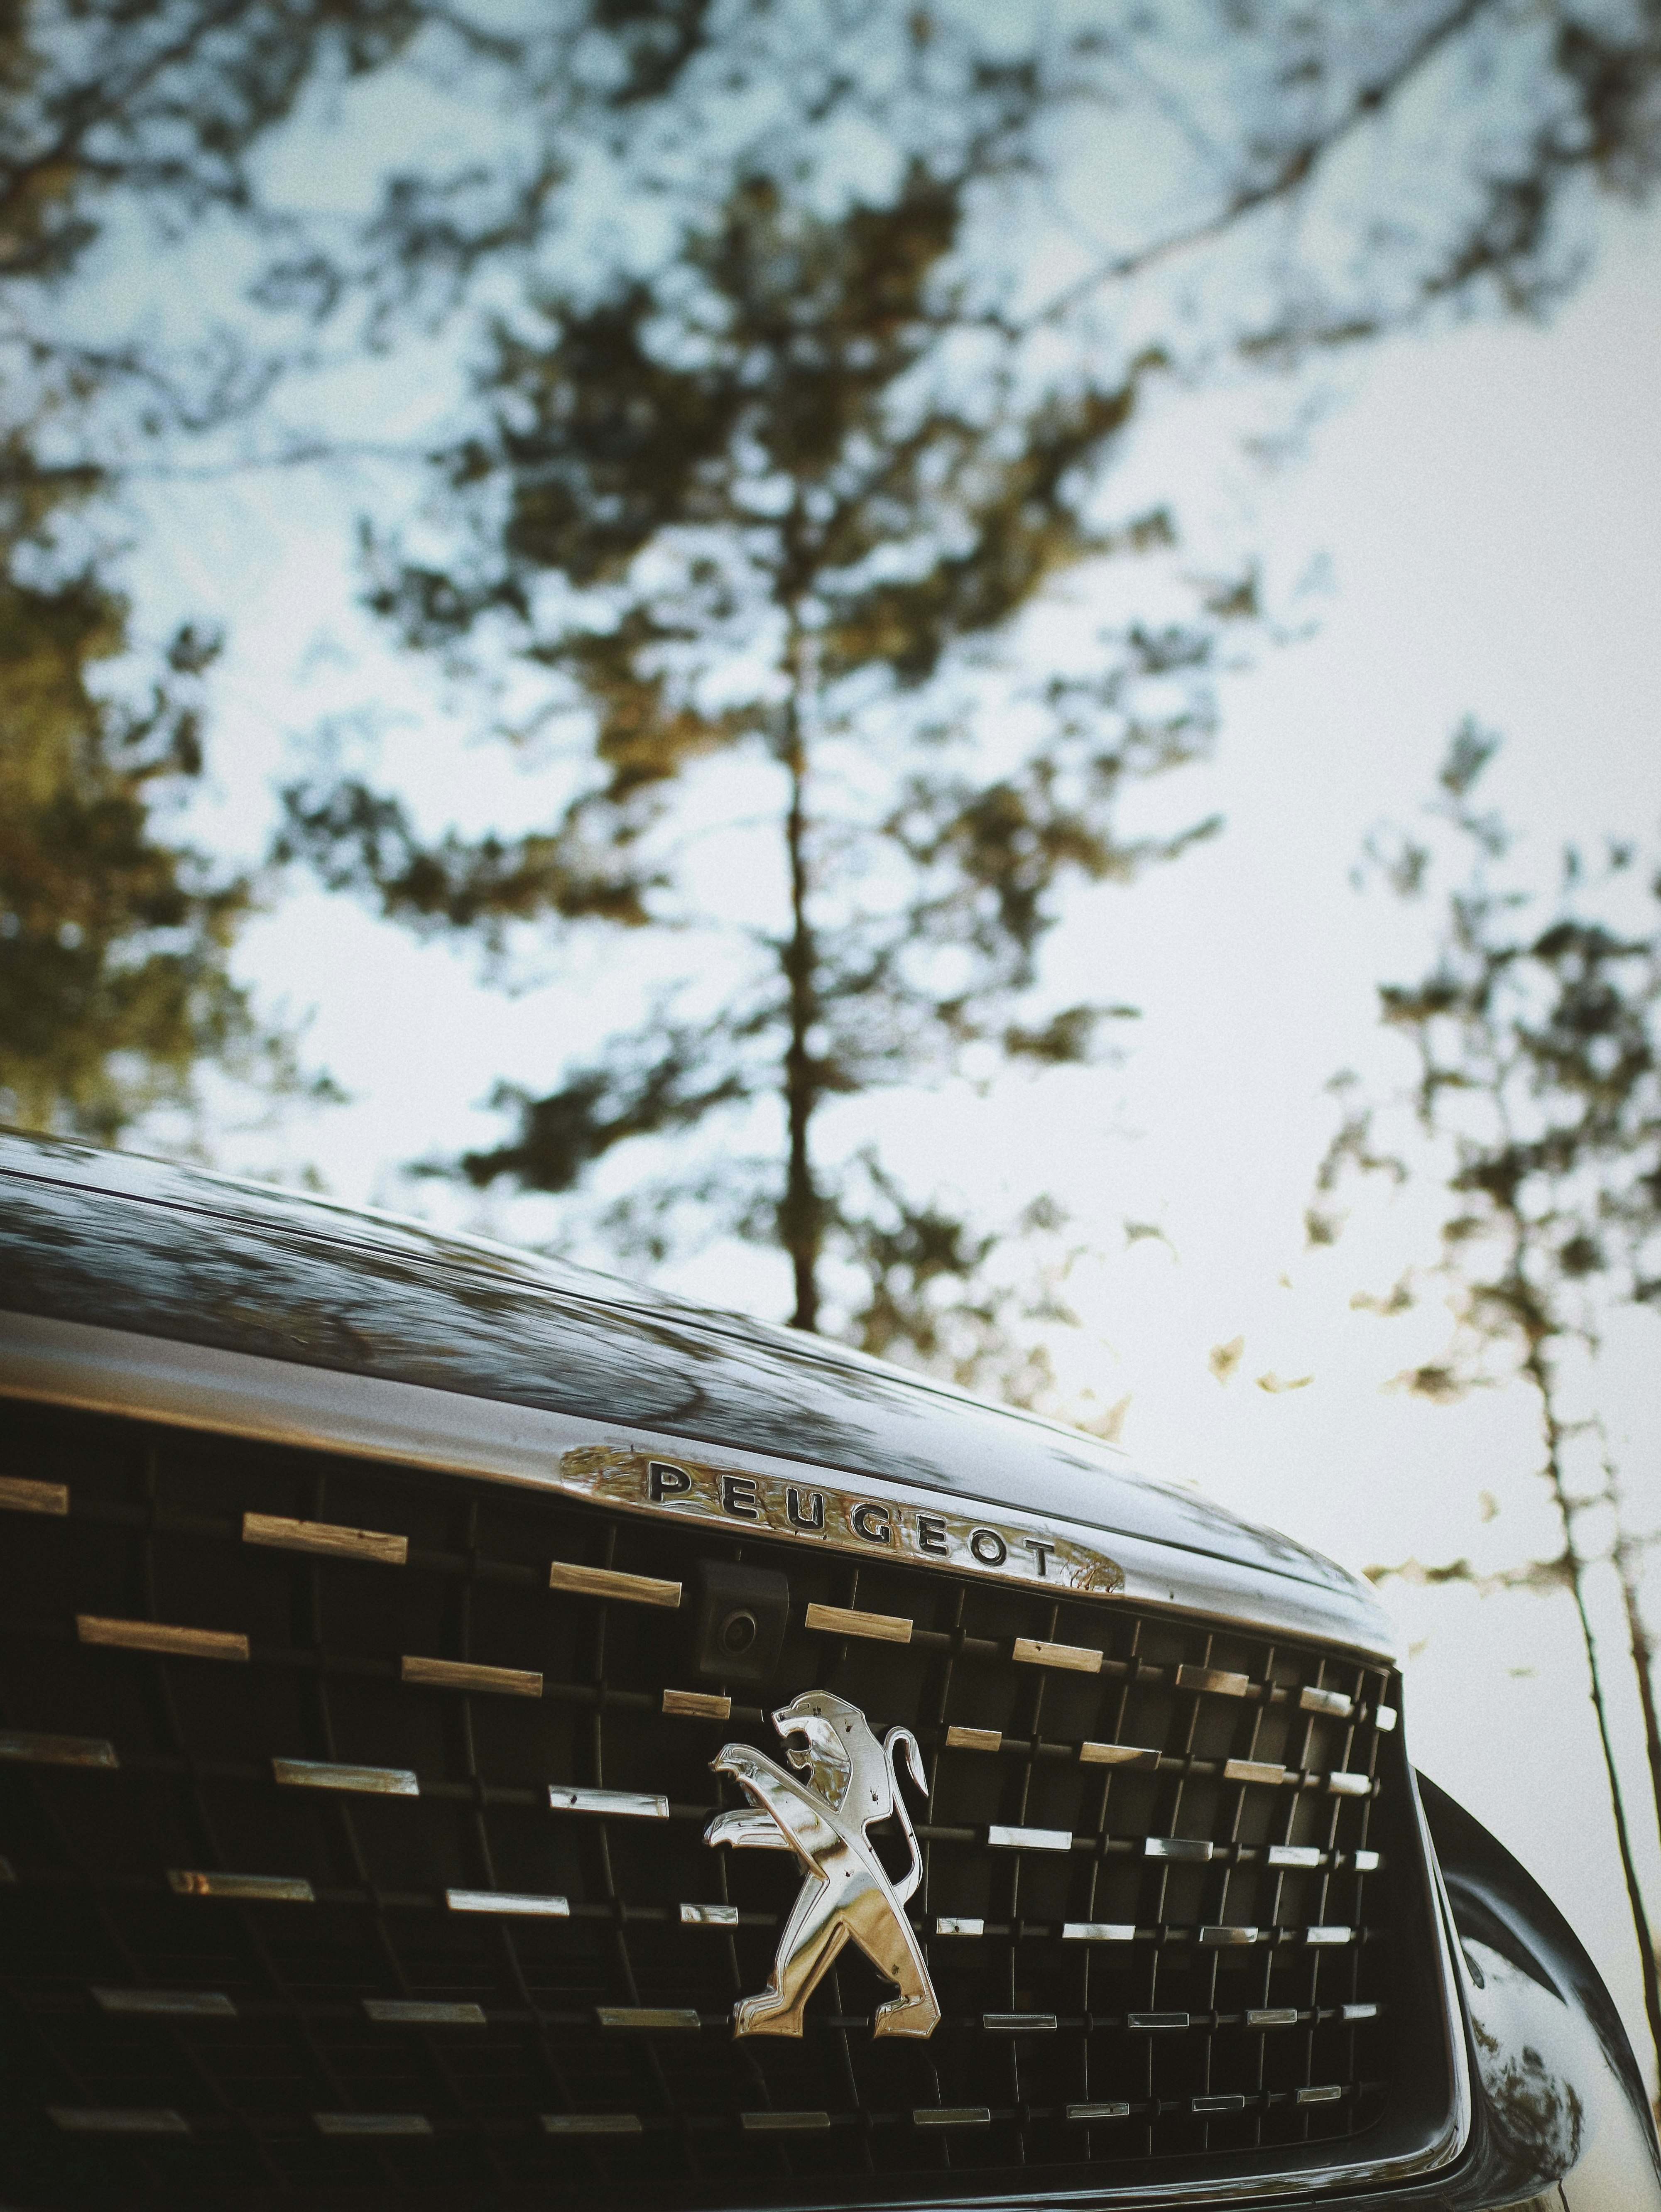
column 845, row 1780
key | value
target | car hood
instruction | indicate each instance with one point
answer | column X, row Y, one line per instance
column 122, row 1243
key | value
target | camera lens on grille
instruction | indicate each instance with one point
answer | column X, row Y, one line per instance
column 738, row 1622
column 738, row 1633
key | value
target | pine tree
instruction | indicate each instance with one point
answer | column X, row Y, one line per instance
column 765, row 509
column 114, row 936
column 1537, row 1039
column 1249, row 245
column 775, row 494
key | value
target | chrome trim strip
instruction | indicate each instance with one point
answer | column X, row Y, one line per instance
column 607, row 1583
column 508, row 1900
column 696, row 1706
column 327, row 1774
column 269, row 1888
column 421, row 2012
column 169, row 2004
column 39, row 1750
column 1077, row 1658
column 623, row 1804
column 463, row 1674
column 1253, row 1769
column 372, row 2124
column 19, row 1495
column 1118, row 1754
column 126, row 2120
column 974, row 1739
column 160, row 1636
column 279, row 1533
column 849, row 1620
column 366, row 1417
column 1326, row 1701
column 1217, row 1680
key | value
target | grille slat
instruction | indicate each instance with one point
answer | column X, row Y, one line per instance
column 1236, row 1992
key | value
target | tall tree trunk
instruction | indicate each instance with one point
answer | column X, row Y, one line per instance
column 1538, row 1370
column 801, row 1215
column 1642, row 1654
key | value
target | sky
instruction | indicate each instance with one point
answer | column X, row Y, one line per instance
column 1470, row 526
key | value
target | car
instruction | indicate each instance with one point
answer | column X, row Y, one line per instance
column 475, row 1732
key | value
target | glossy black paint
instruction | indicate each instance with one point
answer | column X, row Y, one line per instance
column 122, row 1243
column 1561, row 2120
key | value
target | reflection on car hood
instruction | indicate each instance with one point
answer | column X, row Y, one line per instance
column 123, row 1242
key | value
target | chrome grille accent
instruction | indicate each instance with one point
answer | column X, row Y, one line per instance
column 1158, row 1930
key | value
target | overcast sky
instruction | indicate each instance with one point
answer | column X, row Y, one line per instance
column 1478, row 516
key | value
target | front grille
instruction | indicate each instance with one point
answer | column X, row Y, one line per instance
column 254, row 1866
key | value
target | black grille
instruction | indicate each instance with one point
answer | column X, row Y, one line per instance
column 1080, row 2061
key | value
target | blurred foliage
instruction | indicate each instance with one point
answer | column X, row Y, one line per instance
column 114, row 986
column 801, row 368
column 160, row 101
column 760, row 506
column 785, row 483
column 1538, row 1042
column 1536, row 1030
column 115, row 936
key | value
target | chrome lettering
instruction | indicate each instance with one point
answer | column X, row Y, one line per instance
column 737, row 1497
column 923, row 1527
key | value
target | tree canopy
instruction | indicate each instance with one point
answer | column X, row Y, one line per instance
column 1537, row 1106
column 803, row 338
column 116, row 934
column 755, row 509
column 1537, row 1032
column 114, row 988
column 787, row 467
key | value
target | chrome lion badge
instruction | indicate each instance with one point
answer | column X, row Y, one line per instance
column 851, row 1781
